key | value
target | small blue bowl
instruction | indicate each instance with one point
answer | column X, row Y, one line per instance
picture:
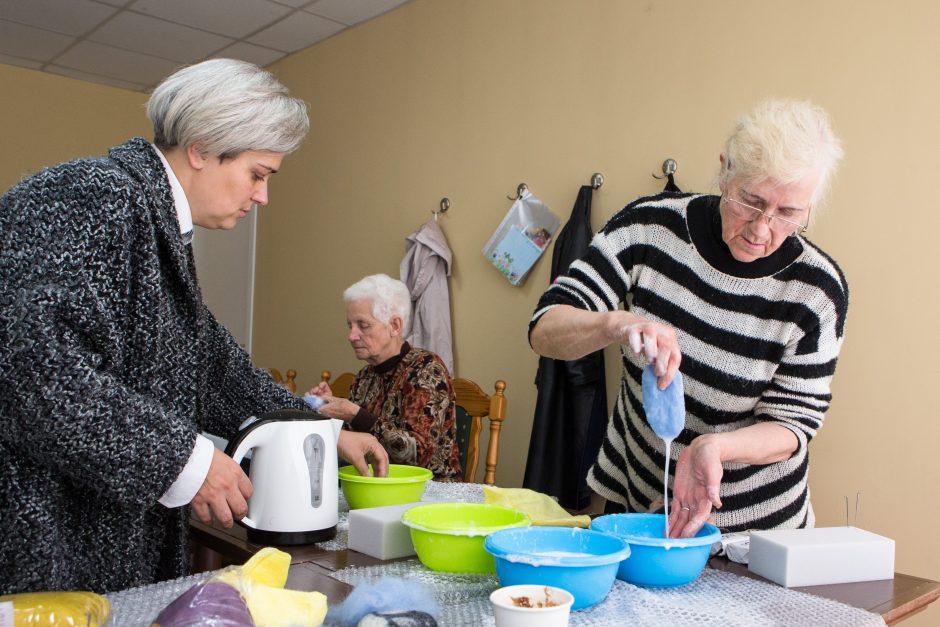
column 656, row 561
column 581, row 561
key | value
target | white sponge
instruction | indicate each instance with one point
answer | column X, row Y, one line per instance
column 824, row 555
column 379, row 532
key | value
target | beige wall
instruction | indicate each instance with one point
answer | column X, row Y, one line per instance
column 467, row 99
column 45, row 119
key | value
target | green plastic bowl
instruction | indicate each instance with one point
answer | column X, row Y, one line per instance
column 449, row 536
column 404, row 484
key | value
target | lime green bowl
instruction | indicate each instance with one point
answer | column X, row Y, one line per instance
column 404, row 484
column 449, row 536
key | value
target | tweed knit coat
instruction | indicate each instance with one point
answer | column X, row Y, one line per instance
column 110, row 364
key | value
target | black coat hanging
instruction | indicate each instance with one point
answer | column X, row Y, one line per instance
column 571, row 408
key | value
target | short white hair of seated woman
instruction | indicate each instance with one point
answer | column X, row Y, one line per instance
column 226, row 107
column 389, row 297
column 782, row 141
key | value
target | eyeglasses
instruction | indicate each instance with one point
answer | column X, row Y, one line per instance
column 777, row 224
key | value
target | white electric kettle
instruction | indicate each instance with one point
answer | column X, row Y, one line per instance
column 294, row 475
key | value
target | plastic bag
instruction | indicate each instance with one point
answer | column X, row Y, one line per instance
column 55, row 608
column 521, row 238
column 251, row 594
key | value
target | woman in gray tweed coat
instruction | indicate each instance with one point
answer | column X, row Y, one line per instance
column 110, row 363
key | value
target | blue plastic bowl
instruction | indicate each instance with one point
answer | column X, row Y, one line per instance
column 581, row 561
column 655, row 561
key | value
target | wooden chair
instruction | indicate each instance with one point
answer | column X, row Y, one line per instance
column 289, row 382
column 342, row 384
column 473, row 404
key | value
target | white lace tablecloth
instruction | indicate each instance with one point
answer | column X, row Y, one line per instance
column 716, row 598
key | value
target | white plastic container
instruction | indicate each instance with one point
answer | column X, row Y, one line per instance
column 509, row 613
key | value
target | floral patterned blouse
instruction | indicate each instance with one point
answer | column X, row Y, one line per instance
column 408, row 403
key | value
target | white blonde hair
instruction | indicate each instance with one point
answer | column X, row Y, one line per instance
column 226, row 107
column 389, row 297
column 783, row 141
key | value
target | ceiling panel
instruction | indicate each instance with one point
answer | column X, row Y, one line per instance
column 233, row 18
column 149, row 35
column 296, row 31
column 134, row 44
column 31, row 43
column 74, row 17
column 102, row 60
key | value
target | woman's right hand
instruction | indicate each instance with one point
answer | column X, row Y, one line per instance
column 654, row 340
column 334, row 406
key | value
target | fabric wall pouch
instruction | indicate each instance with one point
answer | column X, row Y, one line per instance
column 521, row 237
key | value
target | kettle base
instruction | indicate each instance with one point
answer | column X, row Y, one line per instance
column 261, row 536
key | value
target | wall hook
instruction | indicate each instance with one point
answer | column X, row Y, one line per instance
column 445, row 205
column 597, row 179
column 669, row 167
column 520, row 190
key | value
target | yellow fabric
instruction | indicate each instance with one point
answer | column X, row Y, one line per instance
column 541, row 508
column 261, row 582
column 58, row 608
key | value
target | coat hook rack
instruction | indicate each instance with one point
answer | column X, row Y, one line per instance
column 597, row 179
column 445, row 205
column 520, row 190
column 669, row 167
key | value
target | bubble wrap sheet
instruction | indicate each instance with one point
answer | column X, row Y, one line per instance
column 716, row 598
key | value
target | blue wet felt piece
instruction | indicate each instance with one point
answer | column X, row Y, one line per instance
column 665, row 409
column 314, row 402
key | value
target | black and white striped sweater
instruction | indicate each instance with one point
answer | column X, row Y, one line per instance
column 759, row 342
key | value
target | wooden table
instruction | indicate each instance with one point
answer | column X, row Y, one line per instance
column 311, row 569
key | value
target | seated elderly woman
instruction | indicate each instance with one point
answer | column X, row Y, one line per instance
column 729, row 291
column 404, row 396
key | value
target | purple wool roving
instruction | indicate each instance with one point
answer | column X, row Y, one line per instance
column 665, row 409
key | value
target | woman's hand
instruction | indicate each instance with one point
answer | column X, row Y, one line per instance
column 654, row 340
column 695, row 487
column 334, row 406
column 362, row 449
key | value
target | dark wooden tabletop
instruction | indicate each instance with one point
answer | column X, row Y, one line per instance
column 311, row 567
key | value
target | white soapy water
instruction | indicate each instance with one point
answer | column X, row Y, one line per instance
column 547, row 558
column 666, row 484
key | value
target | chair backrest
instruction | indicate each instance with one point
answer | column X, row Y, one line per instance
column 289, row 382
column 473, row 404
column 342, row 384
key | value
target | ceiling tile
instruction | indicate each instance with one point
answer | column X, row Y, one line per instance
column 293, row 3
column 31, row 43
column 296, row 31
column 149, row 35
column 232, row 18
column 251, row 53
column 72, row 17
column 123, row 65
column 352, row 11
column 33, row 65
column 94, row 78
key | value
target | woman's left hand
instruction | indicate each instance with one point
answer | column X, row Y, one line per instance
column 695, row 487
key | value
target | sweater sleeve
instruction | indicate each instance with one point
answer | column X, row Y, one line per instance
column 64, row 274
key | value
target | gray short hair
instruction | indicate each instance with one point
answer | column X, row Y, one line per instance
column 226, row 107
column 783, row 141
column 389, row 297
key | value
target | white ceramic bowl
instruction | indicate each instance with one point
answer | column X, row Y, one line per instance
column 509, row 613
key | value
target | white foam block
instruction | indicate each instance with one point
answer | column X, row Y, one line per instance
column 824, row 555
column 379, row 532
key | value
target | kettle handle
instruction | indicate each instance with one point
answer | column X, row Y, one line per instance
column 238, row 448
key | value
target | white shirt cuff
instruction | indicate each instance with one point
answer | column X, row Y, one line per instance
column 194, row 473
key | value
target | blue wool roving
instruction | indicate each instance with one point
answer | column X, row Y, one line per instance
column 665, row 409
column 382, row 595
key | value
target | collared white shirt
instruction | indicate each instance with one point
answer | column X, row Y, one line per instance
column 194, row 473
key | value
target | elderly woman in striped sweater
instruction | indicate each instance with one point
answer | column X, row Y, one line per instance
column 728, row 290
